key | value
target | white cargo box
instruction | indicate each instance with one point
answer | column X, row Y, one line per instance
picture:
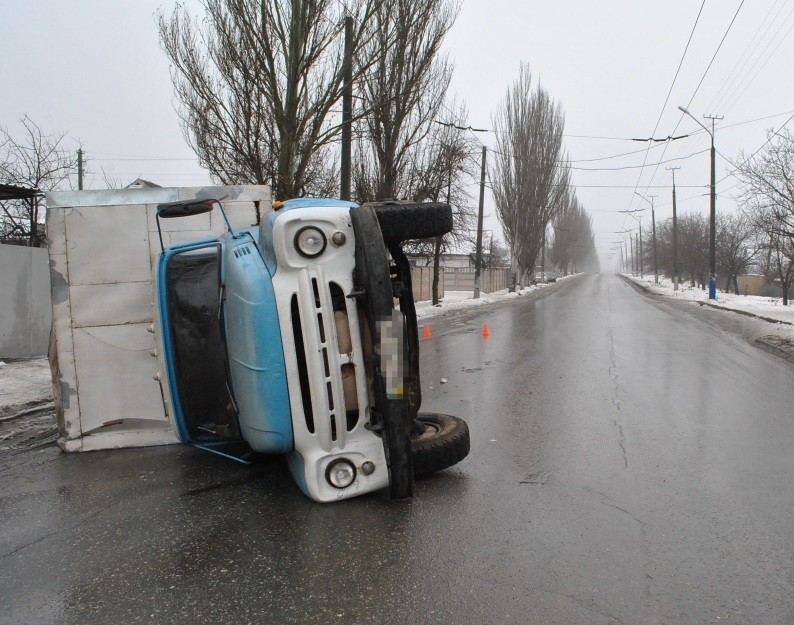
column 103, row 249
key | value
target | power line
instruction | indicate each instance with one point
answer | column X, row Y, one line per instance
column 744, row 54
column 714, row 56
column 656, row 126
column 705, row 73
column 680, row 63
column 670, row 160
column 748, row 80
column 749, row 158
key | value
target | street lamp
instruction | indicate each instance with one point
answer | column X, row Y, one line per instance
column 653, row 221
column 713, row 207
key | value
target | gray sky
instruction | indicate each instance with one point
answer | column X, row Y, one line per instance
column 95, row 70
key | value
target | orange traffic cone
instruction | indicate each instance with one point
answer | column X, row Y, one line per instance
column 485, row 331
column 427, row 333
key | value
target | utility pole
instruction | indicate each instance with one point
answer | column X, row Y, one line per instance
column 713, row 203
column 675, row 235
column 478, row 258
column 626, row 249
column 653, row 223
column 713, row 215
column 655, row 263
column 80, row 169
column 347, row 113
column 633, row 259
column 642, row 259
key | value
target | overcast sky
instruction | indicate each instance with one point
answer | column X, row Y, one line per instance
column 94, row 69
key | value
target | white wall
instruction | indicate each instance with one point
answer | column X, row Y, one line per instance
column 25, row 310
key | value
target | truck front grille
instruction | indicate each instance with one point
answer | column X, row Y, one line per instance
column 333, row 398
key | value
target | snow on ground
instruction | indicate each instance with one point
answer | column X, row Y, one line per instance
column 770, row 308
column 458, row 300
column 24, row 384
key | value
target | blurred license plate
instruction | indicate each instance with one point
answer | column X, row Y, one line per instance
column 392, row 354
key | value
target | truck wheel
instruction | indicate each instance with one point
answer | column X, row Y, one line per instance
column 444, row 441
column 403, row 221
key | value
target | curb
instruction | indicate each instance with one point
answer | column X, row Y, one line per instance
column 769, row 346
column 636, row 285
column 746, row 313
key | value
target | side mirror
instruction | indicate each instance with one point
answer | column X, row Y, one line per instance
column 188, row 208
column 184, row 208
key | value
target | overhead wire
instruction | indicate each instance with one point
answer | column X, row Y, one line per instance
column 667, row 98
column 751, row 77
column 700, row 83
column 749, row 158
column 714, row 56
column 744, row 58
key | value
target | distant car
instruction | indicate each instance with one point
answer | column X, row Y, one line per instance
column 542, row 277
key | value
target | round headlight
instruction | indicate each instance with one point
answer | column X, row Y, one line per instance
column 340, row 473
column 310, row 241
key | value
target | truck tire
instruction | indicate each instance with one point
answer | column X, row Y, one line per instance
column 444, row 441
column 404, row 221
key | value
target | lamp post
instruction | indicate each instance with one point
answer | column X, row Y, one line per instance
column 713, row 208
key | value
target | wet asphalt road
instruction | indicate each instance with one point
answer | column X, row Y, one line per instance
column 632, row 462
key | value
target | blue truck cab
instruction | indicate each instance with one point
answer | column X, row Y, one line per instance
column 287, row 338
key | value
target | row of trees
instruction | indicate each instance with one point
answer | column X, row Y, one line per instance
column 743, row 245
column 573, row 244
column 758, row 238
column 736, row 248
column 532, row 182
column 258, row 85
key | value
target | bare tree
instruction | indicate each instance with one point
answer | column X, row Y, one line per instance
column 572, row 236
column 779, row 251
column 768, row 180
column 35, row 160
column 768, row 196
column 404, row 90
column 530, row 179
column 437, row 169
column 735, row 247
column 693, row 245
column 497, row 254
column 257, row 82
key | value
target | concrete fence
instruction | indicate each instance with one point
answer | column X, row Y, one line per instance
column 422, row 281
column 25, row 308
column 459, row 279
column 491, row 280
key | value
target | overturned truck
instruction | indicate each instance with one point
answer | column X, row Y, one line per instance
column 288, row 331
